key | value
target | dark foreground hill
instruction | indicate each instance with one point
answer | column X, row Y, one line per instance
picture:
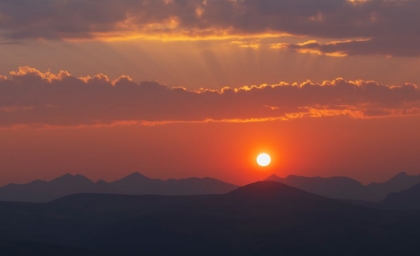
column 347, row 188
column 134, row 184
column 264, row 218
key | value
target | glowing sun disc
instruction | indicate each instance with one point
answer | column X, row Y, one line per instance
column 263, row 159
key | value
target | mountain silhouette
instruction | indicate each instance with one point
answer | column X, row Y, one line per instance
column 405, row 200
column 272, row 193
column 347, row 188
column 400, row 182
column 133, row 184
column 263, row 218
column 138, row 184
column 334, row 187
column 42, row 191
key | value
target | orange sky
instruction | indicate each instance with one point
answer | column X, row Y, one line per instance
column 362, row 149
column 175, row 89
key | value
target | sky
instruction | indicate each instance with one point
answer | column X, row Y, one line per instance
column 198, row 88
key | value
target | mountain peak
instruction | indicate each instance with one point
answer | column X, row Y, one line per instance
column 272, row 177
column 273, row 193
column 265, row 189
column 134, row 177
column 400, row 177
column 66, row 178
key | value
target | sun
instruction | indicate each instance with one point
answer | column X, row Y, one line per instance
column 263, row 159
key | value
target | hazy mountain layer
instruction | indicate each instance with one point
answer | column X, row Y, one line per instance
column 134, row 184
column 405, row 200
column 346, row 188
column 137, row 184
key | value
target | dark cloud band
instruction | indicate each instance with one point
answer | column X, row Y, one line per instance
column 29, row 96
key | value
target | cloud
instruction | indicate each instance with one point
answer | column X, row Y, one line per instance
column 376, row 46
column 31, row 97
column 389, row 24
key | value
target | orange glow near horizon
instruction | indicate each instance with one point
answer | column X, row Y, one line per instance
column 223, row 151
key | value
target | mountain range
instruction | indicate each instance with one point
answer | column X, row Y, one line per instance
column 133, row 184
column 405, row 200
column 347, row 188
column 263, row 218
column 138, row 184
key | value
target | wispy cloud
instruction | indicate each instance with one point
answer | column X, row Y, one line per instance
column 377, row 46
column 391, row 26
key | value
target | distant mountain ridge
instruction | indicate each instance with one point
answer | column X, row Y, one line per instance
column 347, row 188
column 133, row 184
column 138, row 184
